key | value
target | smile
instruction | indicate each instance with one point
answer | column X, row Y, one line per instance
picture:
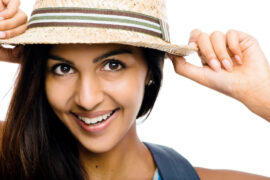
column 95, row 120
column 92, row 121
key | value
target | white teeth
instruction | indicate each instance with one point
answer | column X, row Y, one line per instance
column 96, row 119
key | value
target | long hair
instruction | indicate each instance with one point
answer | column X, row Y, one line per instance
column 35, row 144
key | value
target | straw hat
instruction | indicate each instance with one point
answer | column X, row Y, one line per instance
column 141, row 23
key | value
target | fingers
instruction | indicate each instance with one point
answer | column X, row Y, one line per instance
column 234, row 45
column 12, row 7
column 188, row 70
column 206, row 51
column 19, row 19
column 218, row 41
column 193, row 37
column 17, row 31
column 246, row 41
column 11, row 55
column 6, row 54
column 184, row 68
column 218, row 50
column 13, row 26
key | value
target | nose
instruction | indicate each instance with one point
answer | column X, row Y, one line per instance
column 89, row 93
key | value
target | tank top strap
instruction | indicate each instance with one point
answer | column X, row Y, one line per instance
column 170, row 164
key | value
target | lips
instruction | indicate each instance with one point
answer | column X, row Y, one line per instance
column 92, row 121
column 94, row 114
column 95, row 122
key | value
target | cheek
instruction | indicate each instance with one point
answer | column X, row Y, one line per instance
column 58, row 93
column 128, row 91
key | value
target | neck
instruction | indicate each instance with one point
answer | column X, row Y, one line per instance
column 128, row 159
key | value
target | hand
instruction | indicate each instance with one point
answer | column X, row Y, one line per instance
column 233, row 64
column 12, row 55
column 13, row 21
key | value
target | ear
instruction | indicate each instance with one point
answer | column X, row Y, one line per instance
column 149, row 77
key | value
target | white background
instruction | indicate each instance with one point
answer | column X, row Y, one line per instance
column 210, row 129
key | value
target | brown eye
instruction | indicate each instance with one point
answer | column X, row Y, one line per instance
column 63, row 69
column 113, row 65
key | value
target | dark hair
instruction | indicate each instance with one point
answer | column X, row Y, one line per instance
column 35, row 144
column 155, row 60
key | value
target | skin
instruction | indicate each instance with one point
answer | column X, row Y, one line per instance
column 239, row 81
column 235, row 79
column 13, row 21
column 89, row 87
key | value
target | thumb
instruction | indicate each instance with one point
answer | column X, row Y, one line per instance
column 190, row 71
column 12, row 55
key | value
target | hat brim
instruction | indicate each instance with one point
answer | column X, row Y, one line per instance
column 75, row 35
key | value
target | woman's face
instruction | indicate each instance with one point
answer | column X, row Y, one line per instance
column 96, row 91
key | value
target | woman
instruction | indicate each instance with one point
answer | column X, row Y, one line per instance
column 49, row 132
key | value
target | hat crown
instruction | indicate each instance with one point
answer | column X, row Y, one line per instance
column 141, row 23
column 154, row 8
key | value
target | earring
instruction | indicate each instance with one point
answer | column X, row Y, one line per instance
column 150, row 82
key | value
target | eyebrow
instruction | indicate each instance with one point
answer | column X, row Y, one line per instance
column 97, row 59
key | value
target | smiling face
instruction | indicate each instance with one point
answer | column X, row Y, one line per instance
column 96, row 91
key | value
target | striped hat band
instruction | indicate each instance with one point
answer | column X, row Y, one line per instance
column 100, row 18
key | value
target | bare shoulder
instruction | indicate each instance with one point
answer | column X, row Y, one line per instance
column 211, row 174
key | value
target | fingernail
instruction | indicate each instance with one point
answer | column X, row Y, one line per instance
column 215, row 65
column 238, row 59
column 2, row 34
column 227, row 65
column 192, row 44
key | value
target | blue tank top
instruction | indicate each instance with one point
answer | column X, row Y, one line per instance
column 170, row 164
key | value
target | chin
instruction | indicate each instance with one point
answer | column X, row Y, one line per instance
column 98, row 148
column 105, row 143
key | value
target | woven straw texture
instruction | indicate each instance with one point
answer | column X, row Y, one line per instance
column 65, row 35
column 154, row 8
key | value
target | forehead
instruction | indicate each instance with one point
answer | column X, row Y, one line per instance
column 95, row 49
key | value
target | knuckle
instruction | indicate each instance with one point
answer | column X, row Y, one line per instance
column 22, row 13
column 252, row 39
column 209, row 54
column 202, row 36
column 233, row 47
column 215, row 34
column 231, row 31
column 196, row 31
column 22, row 16
column 194, row 35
